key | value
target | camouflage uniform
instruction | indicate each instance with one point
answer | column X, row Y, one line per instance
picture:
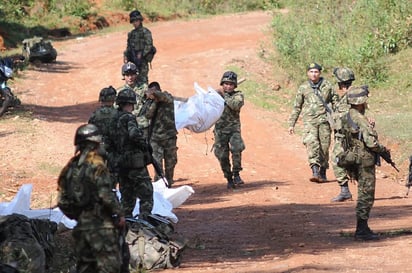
column 163, row 133
column 134, row 176
column 140, row 41
column 316, row 135
column 138, row 111
column 227, row 132
column 96, row 238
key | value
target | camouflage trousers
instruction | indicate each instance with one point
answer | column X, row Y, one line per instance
column 165, row 151
column 340, row 173
column 143, row 77
column 97, row 250
column 136, row 183
column 226, row 144
column 366, row 190
column 316, row 138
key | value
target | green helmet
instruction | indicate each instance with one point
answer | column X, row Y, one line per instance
column 126, row 95
column 129, row 68
column 358, row 95
column 107, row 94
column 343, row 74
column 87, row 132
column 229, row 76
column 135, row 16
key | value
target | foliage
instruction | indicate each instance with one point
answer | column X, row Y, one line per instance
column 356, row 34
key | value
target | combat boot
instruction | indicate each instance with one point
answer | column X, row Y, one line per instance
column 363, row 232
column 315, row 174
column 322, row 174
column 238, row 180
column 343, row 195
column 230, row 183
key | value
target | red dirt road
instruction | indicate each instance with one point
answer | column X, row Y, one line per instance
column 277, row 222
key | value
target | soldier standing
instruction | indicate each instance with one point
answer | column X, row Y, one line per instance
column 139, row 45
column 162, row 133
column 344, row 77
column 131, row 146
column 227, row 131
column 312, row 100
column 99, row 216
column 365, row 140
column 105, row 119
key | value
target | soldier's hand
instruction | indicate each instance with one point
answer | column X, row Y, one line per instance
column 291, row 130
column 121, row 223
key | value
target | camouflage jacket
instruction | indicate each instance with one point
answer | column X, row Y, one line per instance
column 341, row 108
column 129, row 137
column 141, row 99
column 161, row 113
column 103, row 202
column 139, row 40
column 309, row 103
column 229, row 121
column 105, row 118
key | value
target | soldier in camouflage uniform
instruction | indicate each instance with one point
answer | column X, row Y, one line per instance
column 162, row 133
column 312, row 100
column 365, row 140
column 227, row 131
column 105, row 118
column 344, row 77
column 139, row 45
column 130, row 73
column 96, row 234
column 131, row 146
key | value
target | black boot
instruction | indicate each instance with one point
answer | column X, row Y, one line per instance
column 237, row 179
column 343, row 195
column 230, row 183
column 363, row 232
column 322, row 174
column 315, row 174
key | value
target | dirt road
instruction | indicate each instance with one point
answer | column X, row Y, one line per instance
column 277, row 222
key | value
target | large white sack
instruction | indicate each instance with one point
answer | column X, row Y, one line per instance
column 201, row 111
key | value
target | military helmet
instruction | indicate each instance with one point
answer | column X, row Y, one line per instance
column 87, row 132
column 129, row 68
column 229, row 76
column 107, row 94
column 358, row 95
column 343, row 74
column 135, row 15
column 126, row 95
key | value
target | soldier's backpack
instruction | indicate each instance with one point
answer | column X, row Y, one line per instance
column 151, row 247
column 74, row 190
column 349, row 156
column 39, row 49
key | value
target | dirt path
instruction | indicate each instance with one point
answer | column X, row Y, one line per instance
column 277, row 222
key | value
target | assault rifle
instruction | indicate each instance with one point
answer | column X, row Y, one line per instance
column 156, row 166
column 386, row 155
column 409, row 183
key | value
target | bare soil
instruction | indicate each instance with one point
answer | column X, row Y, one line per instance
column 277, row 222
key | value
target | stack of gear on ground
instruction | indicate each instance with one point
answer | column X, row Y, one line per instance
column 39, row 49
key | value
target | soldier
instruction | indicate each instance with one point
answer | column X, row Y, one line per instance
column 365, row 140
column 129, row 72
column 131, row 146
column 162, row 133
column 344, row 77
column 105, row 119
column 139, row 45
column 227, row 131
column 312, row 100
column 96, row 234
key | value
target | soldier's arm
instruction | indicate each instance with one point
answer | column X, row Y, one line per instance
column 234, row 102
column 297, row 108
column 106, row 192
column 148, row 41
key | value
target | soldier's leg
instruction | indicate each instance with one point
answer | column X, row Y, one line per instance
column 127, row 191
column 144, row 191
column 340, row 174
column 158, row 155
column 324, row 140
column 236, row 147
column 170, row 158
column 143, row 77
column 312, row 143
column 221, row 151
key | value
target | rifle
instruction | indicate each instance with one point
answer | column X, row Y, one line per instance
column 155, row 165
column 124, row 248
column 386, row 155
column 409, row 183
